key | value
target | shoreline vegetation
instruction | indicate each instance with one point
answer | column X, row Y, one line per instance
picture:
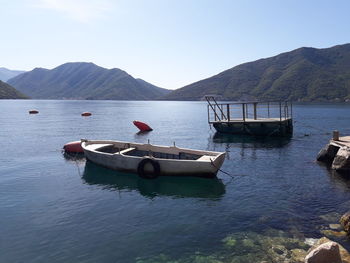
column 9, row 92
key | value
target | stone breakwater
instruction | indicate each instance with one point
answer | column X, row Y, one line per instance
column 337, row 153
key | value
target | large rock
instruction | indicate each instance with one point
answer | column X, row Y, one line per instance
column 341, row 162
column 327, row 154
column 344, row 254
column 324, row 253
column 345, row 222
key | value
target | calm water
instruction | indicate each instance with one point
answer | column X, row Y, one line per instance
column 55, row 209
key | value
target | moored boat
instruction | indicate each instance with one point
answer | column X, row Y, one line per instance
column 150, row 161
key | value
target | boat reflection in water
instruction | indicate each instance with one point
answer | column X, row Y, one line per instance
column 162, row 186
column 238, row 146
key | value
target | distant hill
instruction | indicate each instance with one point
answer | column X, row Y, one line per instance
column 8, row 92
column 82, row 80
column 6, row 74
column 304, row 74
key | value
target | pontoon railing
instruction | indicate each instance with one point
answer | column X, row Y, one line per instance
column 248, row 111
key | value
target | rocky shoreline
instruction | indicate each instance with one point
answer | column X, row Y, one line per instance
column 276, row 246
column 326, row 250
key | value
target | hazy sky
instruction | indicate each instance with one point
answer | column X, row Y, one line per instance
column 170, row 43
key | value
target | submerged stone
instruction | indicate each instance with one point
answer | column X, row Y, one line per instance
column 273, row 248
column 332, row 233
column 330, row 217
column 205, row 259
column 229, row 241
column 311, row 241
column 249, row 243
column 345, row 222
column 298, row 255
column 334, row 226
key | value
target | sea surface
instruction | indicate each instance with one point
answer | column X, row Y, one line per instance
column 54, row 208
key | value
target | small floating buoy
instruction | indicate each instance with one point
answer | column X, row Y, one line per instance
column 142, row 126
column 33, row 112
column 73, row 147
column 86, row 114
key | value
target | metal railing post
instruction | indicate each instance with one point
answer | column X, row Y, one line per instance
column 208, row 114
column 255, row 104
column 228, row 112
column 246, row 110
column 243, row 111
column 280, row 111
column 222, row 112
column 216, row 116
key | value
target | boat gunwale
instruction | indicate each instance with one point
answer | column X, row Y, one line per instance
column 209, row 154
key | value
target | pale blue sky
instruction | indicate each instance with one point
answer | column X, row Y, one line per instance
column 170, row 43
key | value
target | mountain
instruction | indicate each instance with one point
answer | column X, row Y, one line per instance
column 6, row 74
column 8, row 92
column 83, row 80
column 304, row 74
column 151, row 86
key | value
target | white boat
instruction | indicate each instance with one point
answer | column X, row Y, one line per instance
column 150, row 161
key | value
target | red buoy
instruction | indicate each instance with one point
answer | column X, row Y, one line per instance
column 86, row 114
column 142, row 126
column 73, row 147
column 33, row 111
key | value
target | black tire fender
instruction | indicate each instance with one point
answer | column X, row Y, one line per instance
column 141, row 168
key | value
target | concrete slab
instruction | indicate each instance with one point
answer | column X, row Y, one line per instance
column 343, row 141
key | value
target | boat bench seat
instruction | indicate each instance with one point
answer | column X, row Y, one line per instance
column 110, row 148
column 204, row 158
column 127, row 150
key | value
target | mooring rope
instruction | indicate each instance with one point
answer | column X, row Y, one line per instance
column 231, row 175
column 76, row 163
column 73, row 157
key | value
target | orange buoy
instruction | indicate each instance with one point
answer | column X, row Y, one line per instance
column 86, row 114
column 73, row 147
column 33, row 111
column 142, row 126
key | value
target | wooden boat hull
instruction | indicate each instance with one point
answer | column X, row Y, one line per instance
column 174, row 161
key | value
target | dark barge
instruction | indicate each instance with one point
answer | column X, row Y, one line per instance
column 251, row 118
